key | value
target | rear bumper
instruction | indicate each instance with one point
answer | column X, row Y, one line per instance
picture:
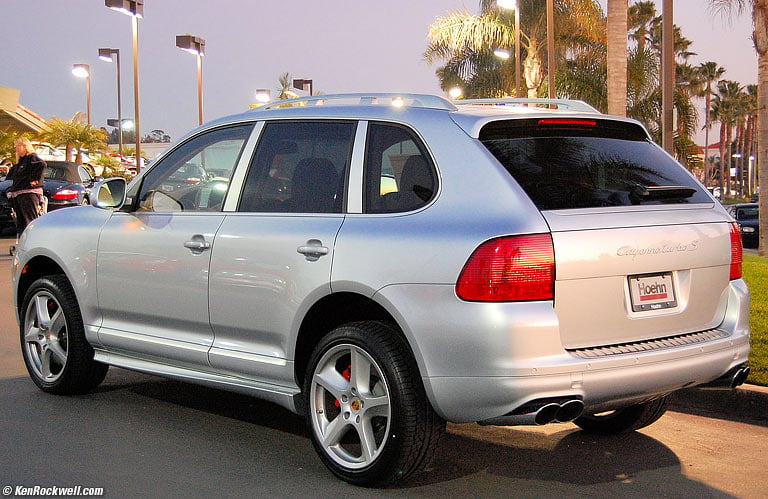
column 494, row 358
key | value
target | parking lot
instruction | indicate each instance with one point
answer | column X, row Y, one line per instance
column 141, row 435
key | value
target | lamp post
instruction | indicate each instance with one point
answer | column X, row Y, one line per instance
column 84, row 71
column 105, row 54
column 512, row 5
column 302, row 83
column 135, row 9
column 195, row 45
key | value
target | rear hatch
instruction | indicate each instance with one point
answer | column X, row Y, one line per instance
column 641, row 250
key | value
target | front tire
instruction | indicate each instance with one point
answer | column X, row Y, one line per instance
column 623, row 420
column 368, row 414
column 58, row 357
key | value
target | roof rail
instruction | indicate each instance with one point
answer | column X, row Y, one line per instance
column 390, row 99
column 571, row 105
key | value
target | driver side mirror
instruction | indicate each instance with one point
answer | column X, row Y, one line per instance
column 109, row 193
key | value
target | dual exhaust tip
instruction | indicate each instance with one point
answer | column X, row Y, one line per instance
column 541, row 412
column 559, row 412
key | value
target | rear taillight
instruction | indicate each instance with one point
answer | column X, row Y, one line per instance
column 737, row 255
column 65, row 194
column 518, row 268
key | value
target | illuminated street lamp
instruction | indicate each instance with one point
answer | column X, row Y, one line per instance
column 302, row 84
column 106, row 54
column 455, row 92
column 135, row 9
column 263, row 95
column 512, row 5
column 84, row 71
column 195, row 45
column 502, row 54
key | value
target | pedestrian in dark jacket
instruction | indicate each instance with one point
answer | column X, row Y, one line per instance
column 26, row 192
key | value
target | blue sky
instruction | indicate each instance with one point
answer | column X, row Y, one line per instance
column 343, row 45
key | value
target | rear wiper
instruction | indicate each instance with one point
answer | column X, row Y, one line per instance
column 642, row 193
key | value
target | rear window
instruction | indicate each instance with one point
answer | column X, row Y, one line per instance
column 589, row 163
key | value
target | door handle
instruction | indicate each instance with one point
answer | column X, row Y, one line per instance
column 198, row 244
column 313, row 249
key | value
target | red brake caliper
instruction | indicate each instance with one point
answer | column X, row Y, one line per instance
column 347, row 373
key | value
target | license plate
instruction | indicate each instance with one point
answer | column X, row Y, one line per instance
column 652, row 292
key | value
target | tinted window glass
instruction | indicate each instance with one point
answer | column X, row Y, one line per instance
column 196, row 175
column 399, row 176
column 299, row 167
column 591, row 164
column 751, row 213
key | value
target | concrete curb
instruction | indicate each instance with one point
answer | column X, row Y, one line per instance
column 747, row 402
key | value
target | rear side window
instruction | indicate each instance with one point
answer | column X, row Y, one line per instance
column 399, row 175
column 588, row 163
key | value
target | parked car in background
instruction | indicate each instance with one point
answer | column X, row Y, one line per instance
column 384, row 263
column 748, row 217
column 66, row 184
column 47, row 152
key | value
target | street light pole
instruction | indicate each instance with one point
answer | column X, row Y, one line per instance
column 551, row 47
column 106, row 55
column 135, row 9
column 84, row 71
column 668, row 78
column 195, row 45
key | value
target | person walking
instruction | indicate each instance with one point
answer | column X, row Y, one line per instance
column 26, row 193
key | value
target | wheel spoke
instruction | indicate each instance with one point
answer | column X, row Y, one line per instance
column 45, row 363
column 32, row 335
column 58, row 352
column 368, row 445
column 41, row 311
column 334, row 431
column 377, row 406
column 58, row 322
column 331, row 380
column 361, row 371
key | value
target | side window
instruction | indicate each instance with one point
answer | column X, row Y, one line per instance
column 399, row 175
column 195, row 176
column 85, row 176
column 299, row 167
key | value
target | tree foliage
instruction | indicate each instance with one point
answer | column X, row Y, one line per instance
column 74, row 134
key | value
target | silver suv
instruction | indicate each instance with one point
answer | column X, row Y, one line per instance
column 384, row 263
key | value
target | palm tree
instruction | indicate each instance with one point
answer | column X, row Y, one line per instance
column 709, row 74
column 617, row 57
column 7, row 149
column 641, row 18
column 466, row 42
column 725, row 110
column 759, row 9
column 286, row 86
column 74, row 134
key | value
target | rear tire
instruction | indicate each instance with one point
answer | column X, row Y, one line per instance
column 58, row 357
column 623, row 420
column 370, row 420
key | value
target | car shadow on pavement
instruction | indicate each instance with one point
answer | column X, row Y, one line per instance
column 222, row 403
column 569, row 457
